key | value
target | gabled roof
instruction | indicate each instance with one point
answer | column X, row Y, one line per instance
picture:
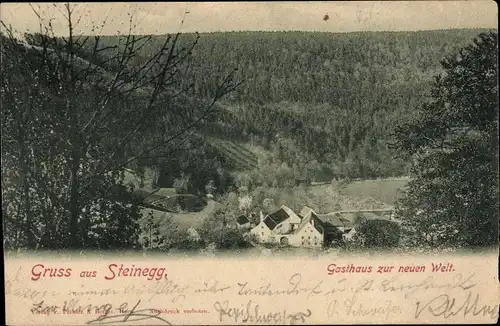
column 291, row 214
column 310, row 217
column 242, row 219
column 305, row 211
column 318, row 224
column 334, row 220
column 281, row 215
column 270, row 223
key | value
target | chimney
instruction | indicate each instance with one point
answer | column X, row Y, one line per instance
column 261, row 216
column 312, row 222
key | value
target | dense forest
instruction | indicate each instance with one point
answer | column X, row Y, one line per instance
column 314, row 106
column 323, row 105
column 310, row 106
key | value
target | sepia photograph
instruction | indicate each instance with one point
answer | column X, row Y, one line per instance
column 196, row 163
column 148, row 127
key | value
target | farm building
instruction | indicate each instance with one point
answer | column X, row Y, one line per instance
column 308, row 229
column 287, row 228
column 242, row 222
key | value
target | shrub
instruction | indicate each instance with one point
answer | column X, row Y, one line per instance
column 378, row 234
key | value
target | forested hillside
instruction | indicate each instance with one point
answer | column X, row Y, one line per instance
column 374, row 70
column 300, row 108
column 311, row 106
column 323, row 103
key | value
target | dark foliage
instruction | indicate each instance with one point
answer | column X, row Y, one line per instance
column 453, row 144
column 378, row 234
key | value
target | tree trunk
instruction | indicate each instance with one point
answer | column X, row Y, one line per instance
column 74, row 206
column 155, row 177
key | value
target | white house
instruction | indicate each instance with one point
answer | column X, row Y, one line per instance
column 261, row 231
column 287, row 228
column 309, row 233
column 308, row 229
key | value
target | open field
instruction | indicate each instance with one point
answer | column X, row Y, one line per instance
column 328, row 198
column 323, row 198
column 384, row 190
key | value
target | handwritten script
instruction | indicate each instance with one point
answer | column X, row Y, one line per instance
column 253, row 313
column 448, row 306
column 295, row 299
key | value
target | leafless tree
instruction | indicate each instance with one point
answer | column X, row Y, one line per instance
column 77, row 110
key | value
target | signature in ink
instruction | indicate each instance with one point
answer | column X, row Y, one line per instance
column 252, row 313
column 446, row 306
column 126, row 315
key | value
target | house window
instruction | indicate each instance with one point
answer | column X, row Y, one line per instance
column 262, row 226
column 262, row 233
column 309, row 237
column 302, row 237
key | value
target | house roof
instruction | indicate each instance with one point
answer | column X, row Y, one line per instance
column 290, row 213
column 305, row 211
column 335, row 220
column 279, row 216
column 270, row 223
column 311, row 216
column 282, row 214
column 242, row 219
column 318, row 224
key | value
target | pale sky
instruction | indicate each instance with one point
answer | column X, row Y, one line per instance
column 348, row 16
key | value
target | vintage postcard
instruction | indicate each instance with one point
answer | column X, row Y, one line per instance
column 189, row 163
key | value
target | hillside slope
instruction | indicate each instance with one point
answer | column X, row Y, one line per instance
column 336, row 97
column 325, row 104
